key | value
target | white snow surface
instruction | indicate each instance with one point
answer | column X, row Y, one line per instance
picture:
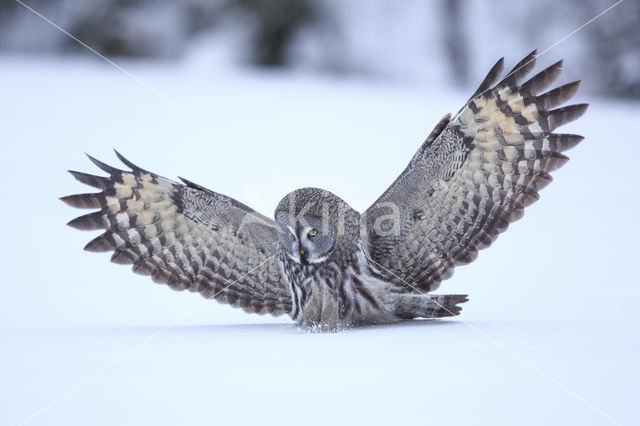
column 550, row 334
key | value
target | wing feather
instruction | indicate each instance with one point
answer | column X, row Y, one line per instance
column 187, row 237
column 473, row 177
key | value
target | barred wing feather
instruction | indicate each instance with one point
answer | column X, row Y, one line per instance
column 185, row 236
column 472, row 177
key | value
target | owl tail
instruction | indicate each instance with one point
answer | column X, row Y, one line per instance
column 429, row 306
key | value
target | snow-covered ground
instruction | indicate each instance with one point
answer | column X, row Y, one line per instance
column 550, row 335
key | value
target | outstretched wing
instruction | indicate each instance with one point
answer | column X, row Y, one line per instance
column 185, row 236
column 473, row 176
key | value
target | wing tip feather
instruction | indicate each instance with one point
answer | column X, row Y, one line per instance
column 91, row 180
column 87, row 222
column 544, row 78
column 129, row 163
column 99, row 244
column 522, row 68
column 104, row 166
column 560, row 116
column 82, row 201
column 558, row 96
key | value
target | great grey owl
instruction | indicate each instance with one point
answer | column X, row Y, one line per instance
column 323, row 263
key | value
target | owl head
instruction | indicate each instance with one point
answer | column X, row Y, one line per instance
column 314, row 225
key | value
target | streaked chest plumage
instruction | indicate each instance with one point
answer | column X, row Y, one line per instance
column 340, row 293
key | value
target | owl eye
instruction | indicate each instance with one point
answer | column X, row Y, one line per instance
column 313, row 233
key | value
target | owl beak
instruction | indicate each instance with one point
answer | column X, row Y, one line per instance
column 303, row 257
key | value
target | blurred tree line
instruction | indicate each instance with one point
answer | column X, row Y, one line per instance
column 272, row 30
column 162, row 28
